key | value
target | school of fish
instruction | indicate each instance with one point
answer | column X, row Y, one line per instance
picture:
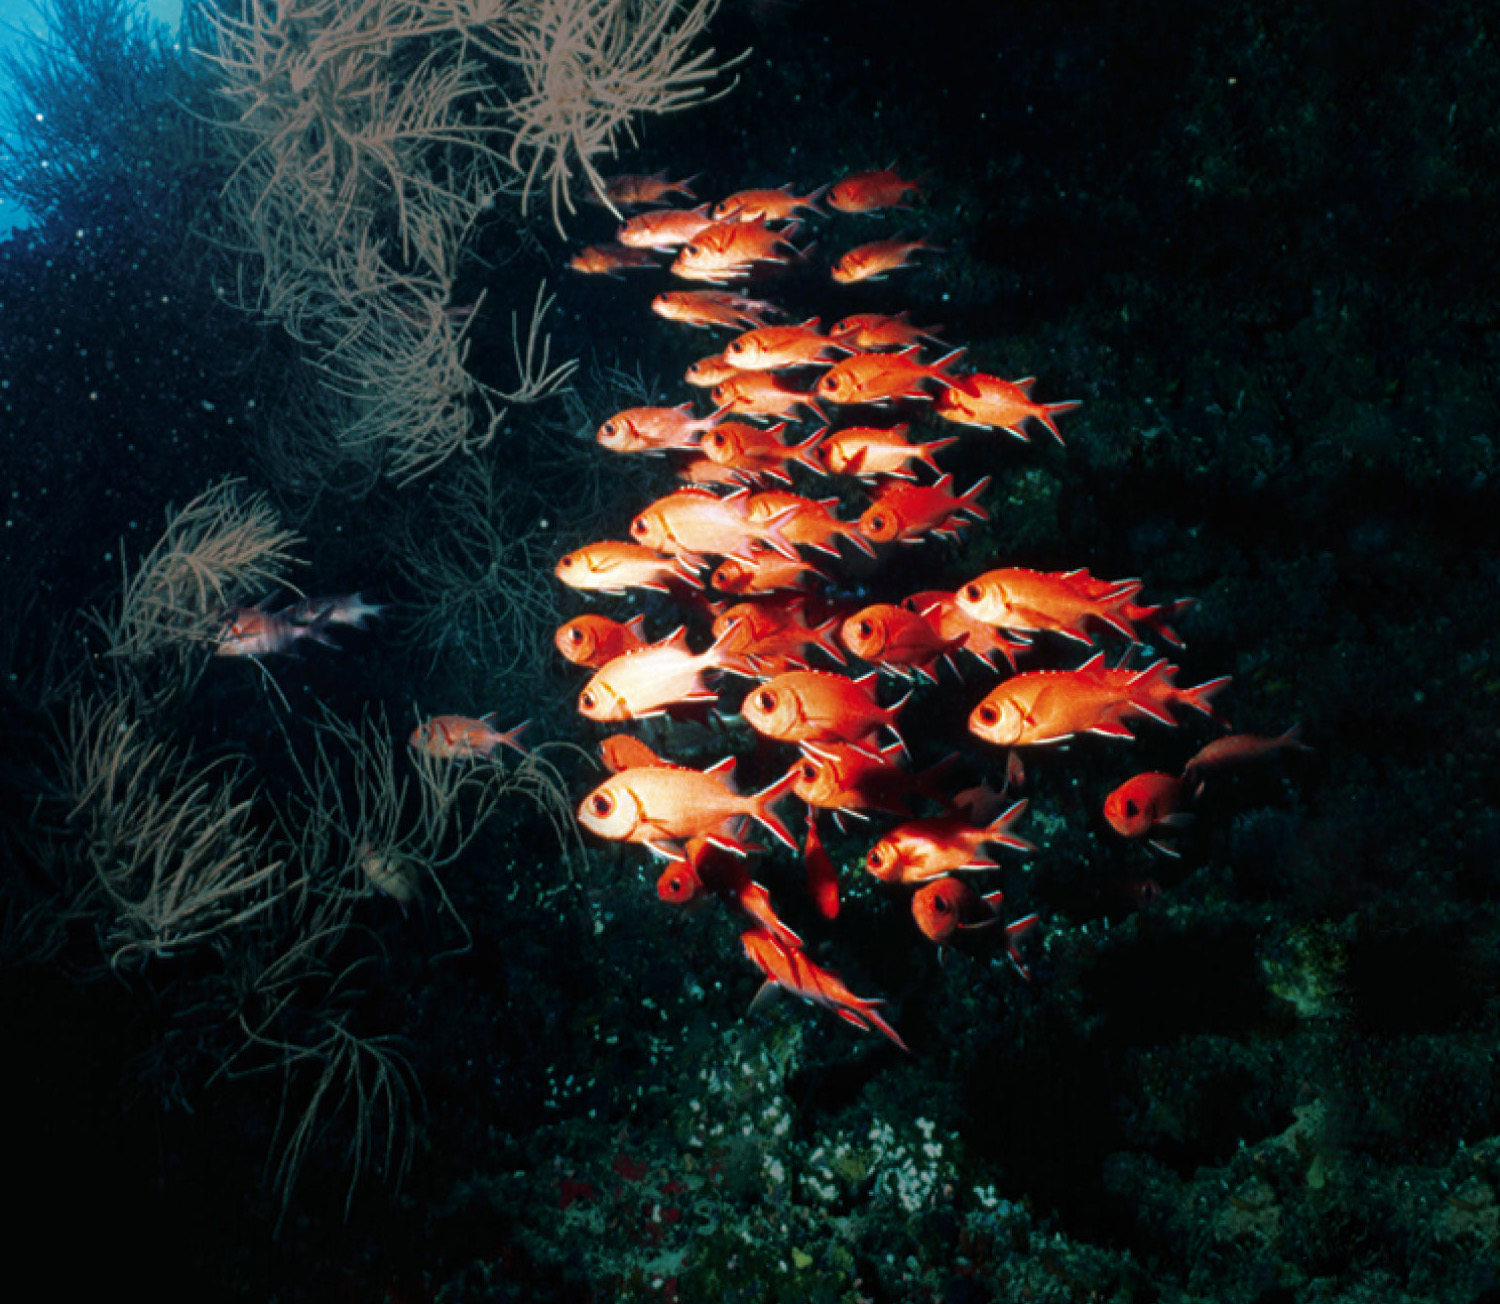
column 748, row 544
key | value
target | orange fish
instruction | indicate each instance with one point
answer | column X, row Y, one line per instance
column 879, row 330
column 643, row 683
column 1049, row 706
column 727, row 250
column 708, row 372
column 612, row 567
column 705, row 309
column 951, row 622
column 459, row 738
column 864, row 192
column 1061, row 601
column 843, row 777
column 868, row 451
column 659, row 806
column 766, row 572
column 882, row 377
column 710, row 869
column 760, row 393
column 1140, row 804
column 757, row 452
column 808, row 522
column 700, row 469
column 698, row 522
column 654, row 429
column 922, row 850
column 610, row 259
column 1161, row 687
column 1002, row 404
column 789, row 968
column 897, row 640
column 770, row 348
column 870, row 262
column 815, row 706
column 947, row 905
column 592, row 640
column 1238, row 749
column 908, row 511
column 634, row 189
column 766, row 205
column 624, row 752
column 774, row 632
column 664, row 229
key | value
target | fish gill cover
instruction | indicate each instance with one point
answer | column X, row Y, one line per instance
column 1134, row 724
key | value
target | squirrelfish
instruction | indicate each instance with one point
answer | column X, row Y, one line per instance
column 908, row 511
column 1061, row 601
column 789, row 968
column 815, row 706
column 662, row 805
column 645, row 682
column 699, row 522
column 727, row 250
column 882, row 377
column 654, row 429
column 864, row 192
column 460, row 738
column 870, row 262
column 1002, row 404
column 612, row 567
column 1049, row 706
column 921, row 850
column 897, row 640
column 591, row 640
column 710, row 308
column 868, row 451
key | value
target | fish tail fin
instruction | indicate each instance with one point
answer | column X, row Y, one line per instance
column 1014, row 932
column 1156, row 618
column 1200, row 698
column 969, row 502
column 1047, row 411
column 850, row 530
column 926, row 451
column 822, row 637
column 995, row 831
column 804, row 453
column 761, row 808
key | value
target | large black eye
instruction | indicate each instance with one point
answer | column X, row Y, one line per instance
column 575, row 635
column 693, row 250
column 809, row 771
column 765, row 701
column 941, row 905
column 877, row 522
column 587, row 701
column 972, row 593
column 988, row 715
column 602, row 803
column 864, row 629
column 1131, row 809
column 611, row 427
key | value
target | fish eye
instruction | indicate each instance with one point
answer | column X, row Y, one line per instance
column 765, row 701
column 988, row 715
column 808, row 770
column 601, row 803
column 611, row 426
column 566, row 562
column 693, row 250
column 877, row 522
column 972, row 593
column 574, row 635
column 942, row 905
column 737, row 346
column 864, row 629
column 638, row 526
column 587, row 701
column 1131, row 809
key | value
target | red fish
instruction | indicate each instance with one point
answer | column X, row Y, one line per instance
column 660, row 806
column 1002, row 404
column 1143, row 803
column 908, row 511
column 612, row 567
column 944, row 907
column 806, row 521
column 878, row 330
column 460, row 738
column 814, row 706
column 624, row 752
column 1064, row 602
column 870, row 262
column 706, row 309
column 654, row 429
column 593, row 640
column 610, row 259
column 897, row 640
column 882, row 377
column 789, row 968
column 1238, row 749
column 645, row 682
column 707, row 868
column 864, row 192
column 664, row 229
column 698, row 522
column 766, row 205
column 922, row 850
column 774, row 633
column 766, row 572
column 760, row 393
column 634, row 189
column 756, row 452
column 842, row 777
column 1050, row 706
column 727, row 250
column 868, row 451
column 950, row 621
column 771, row 348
